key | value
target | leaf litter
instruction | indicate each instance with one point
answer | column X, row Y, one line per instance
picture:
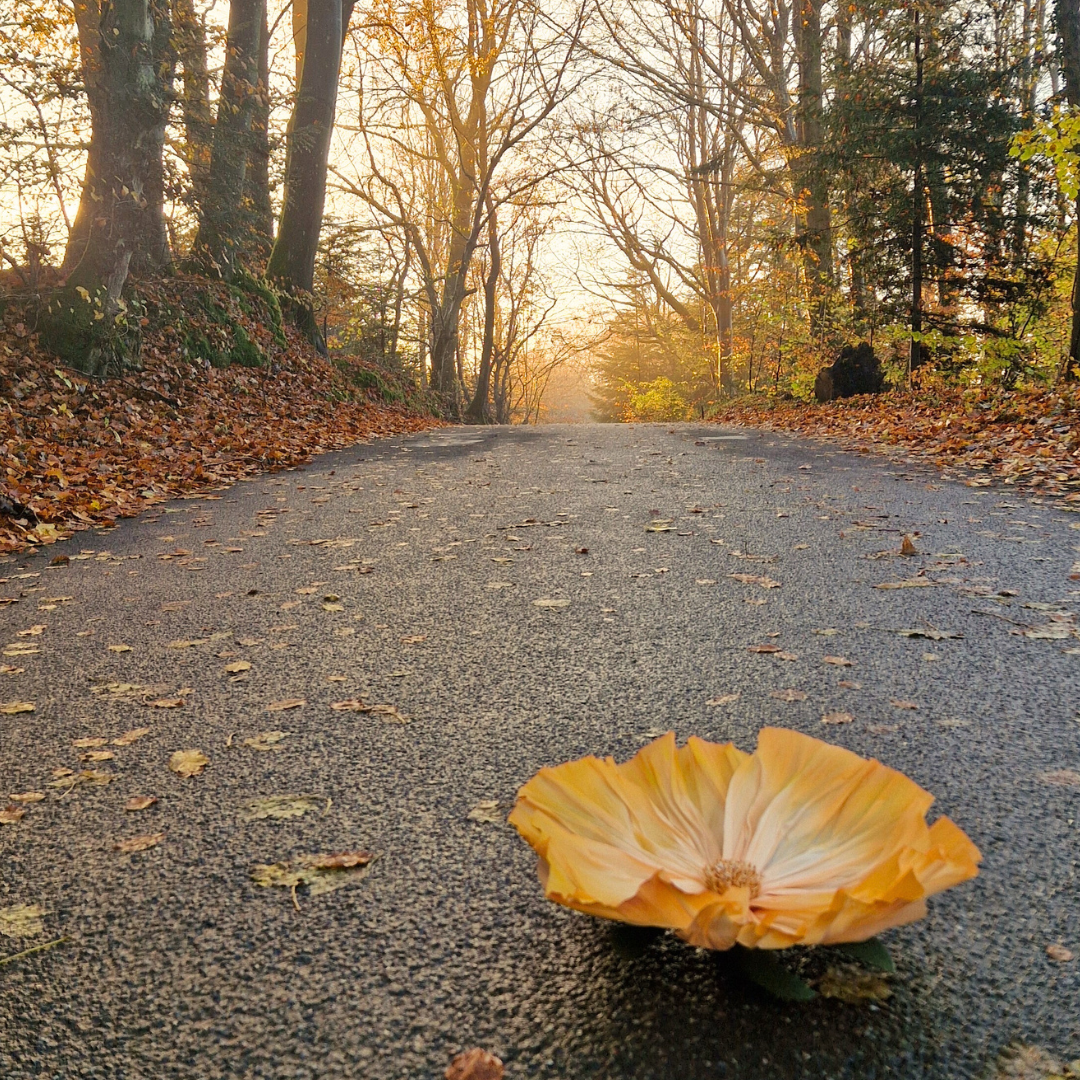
column 188, row 763
column 282, row 807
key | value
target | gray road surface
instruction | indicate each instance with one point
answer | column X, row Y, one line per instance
column 177, row 965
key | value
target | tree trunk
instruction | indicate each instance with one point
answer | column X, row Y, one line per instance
column 812, row 181
column 224, row 224
column 1068, row 27
column 189, row 42
column 292, row 260
column 915, row 357
column 121, row 214
column 257, row 176
column 478, row 411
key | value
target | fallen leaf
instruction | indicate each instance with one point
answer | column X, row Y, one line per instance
column 853, row 985
column 18, row 648
column 1061, row 778
column 236, row 667
column 33, row 631
column 930, row 633
column 907, row 545
column 782, row 655
column 321, row 873
column 11, row 814
column 756, row 579
column 333, row 607
column 827, row 632
column 82, row 744
column 1021, row 1062
column 723, row 699
column 94, row 777
column 788, row 695
column 119, row 648
column 166, row 703
column 140, row 802
column 279, row 807
column 499, row 585
column 1054, row 631
column 487, row 812
column 10, row 669
column 188, row 763
column 545, row 602
column 287, row 703
column 131, row 736
column 97, row 755
column 27, row 797
column 910, row 583
column 839, row 661
column 22, row 920
column 900, row 703
column 139, row 843
column 475, row 1064
column 659, row 526
column 764, row 649
column 267, row 740
column 1059, row 953
column 10, row 708
column 838, row 718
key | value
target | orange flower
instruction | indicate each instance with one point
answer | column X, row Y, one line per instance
column 799, row 843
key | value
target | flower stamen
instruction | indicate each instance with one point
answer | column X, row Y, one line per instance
column 726, row 874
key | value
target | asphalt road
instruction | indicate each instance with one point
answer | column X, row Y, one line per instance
column 176, row 964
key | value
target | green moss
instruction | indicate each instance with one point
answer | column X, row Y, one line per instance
column 78, row 328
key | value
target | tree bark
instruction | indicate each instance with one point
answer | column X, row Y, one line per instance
column 915, row 356
column 121, row 216
column 224, row 223
column 189, row 42
column 1068, row 28
column 810, row 174
column 478, row 411
column 292, row 259
column 257, row 177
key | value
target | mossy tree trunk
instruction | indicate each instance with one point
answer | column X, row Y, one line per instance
column 225, row 221
column 307, row 150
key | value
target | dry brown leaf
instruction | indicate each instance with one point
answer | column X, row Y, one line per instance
column 910, row 583
column 723, row 699
column 486, row 812
column 839, row 661
column 82, row 744
column 475, row 1064
column 900, row 703
column 10, row 708
column 119, row 648
column 850, row 684
column 140, row 802
column 756, row 579
column 10, row 669
column 188, row 763
column 837, row 718
column 97, row 755
column 907, row 545
column 764, row 649
column 788, row 695
column 548, row 602
column 139, row 843
column 286, row 703
column 11, row 814
column 67, row 779
column 236, row 667
column 1061, row 778
column 166, row 703
column 22, row 920
column 131, row 736
column 1059, row 953
column 267, row 740
column 33, row 631
column 28, row 797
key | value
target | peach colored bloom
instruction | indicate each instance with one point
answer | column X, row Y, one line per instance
column 799, row 843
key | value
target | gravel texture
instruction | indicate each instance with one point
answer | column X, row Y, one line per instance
column 176, row 964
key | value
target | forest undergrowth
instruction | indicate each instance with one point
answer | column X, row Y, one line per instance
column 1029, row 438
column 224, row 389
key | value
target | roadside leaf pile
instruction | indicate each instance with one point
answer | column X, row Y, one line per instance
column 1024, row 437
column 78, row 452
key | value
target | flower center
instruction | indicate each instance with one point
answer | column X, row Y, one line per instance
column 732, row 873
